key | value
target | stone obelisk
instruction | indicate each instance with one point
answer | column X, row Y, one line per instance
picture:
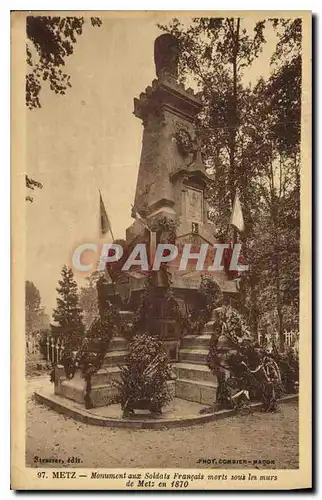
column 172, row 177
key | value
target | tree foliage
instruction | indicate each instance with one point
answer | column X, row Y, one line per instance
column 215, row 52
column 273, row 242
column 88, row 300
column 50, row 40
column 35, row 315
column 31, row 184
column 68, row 314
column 251, row 141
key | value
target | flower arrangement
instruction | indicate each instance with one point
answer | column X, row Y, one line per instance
column 241, row 366
column 144, row 376
column 209, row 296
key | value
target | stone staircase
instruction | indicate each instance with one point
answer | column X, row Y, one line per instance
column 102, row 391
column 195, row 382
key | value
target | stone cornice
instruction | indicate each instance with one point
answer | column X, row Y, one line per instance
column 195, row 174
column 163, row 93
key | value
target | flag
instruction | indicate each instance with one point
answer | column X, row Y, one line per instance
column 105, row 223
column 237, row 219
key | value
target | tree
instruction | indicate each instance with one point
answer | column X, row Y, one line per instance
column 273, row 249
column 284, row 86
column 276, row 233
column 49, row 41
column 68, row 314
column 251, row 141
column 215, row 52
column 88, row 299
column 35, row 315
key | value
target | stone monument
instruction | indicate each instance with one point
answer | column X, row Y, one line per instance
column 172, row 177
column 171, row 184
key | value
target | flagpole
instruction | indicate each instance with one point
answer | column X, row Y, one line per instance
column 99, row 213
column 111, row 231
column 234, row 236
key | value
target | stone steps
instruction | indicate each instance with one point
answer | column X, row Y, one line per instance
column 193, row 355
column 197, row 341
column 102, row 394
column 208, row 329
column 72, row 389
column 193, row 372
column 106, row 375
column 117, row 344
column 198, row 391
column 195, row 382
column 105, row 394
column 114, row 358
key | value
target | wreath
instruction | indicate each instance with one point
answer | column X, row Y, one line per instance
column 184, row 142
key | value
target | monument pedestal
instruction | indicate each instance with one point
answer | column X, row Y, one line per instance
column 194, row 380
column 103, row 392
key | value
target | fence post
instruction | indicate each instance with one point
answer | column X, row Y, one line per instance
column 52, row 350
column 57, row 350
column 61, row 349
column 47, row 344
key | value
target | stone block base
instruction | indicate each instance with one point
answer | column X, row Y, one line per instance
column 103, row 392
column 199, row 392
column 193, row 355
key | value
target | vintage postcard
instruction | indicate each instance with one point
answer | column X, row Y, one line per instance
column 161, row 250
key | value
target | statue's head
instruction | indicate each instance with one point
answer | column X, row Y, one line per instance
column 166, row 55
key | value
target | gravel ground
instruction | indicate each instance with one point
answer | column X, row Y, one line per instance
column 259, row 436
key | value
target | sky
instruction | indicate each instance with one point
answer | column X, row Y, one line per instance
column 89, row 139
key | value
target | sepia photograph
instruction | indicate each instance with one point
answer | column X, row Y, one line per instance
column 164, row 182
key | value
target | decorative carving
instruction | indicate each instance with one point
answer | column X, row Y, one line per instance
column 184, row 142
column 184, row 145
